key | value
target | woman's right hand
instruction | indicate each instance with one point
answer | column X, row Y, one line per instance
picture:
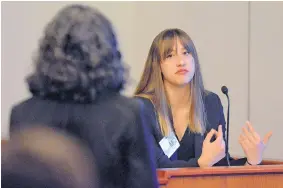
column 212, row 152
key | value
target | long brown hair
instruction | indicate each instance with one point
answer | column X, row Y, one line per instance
column 151, row 83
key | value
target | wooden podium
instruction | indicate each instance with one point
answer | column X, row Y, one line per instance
column 267, row 175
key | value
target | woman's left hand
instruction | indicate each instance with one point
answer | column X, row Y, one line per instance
column 252, row 144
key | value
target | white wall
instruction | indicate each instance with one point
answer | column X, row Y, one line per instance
column 266, row 65
column 220, row 31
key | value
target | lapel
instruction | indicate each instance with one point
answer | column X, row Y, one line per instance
column 198, row 145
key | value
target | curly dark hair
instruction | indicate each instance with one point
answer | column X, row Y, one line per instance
column 78, row 57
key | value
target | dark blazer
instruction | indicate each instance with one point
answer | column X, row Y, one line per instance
column 113, row 127
column 215, row 117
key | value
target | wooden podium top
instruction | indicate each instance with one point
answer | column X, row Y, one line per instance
column 270, row 174
column 165, row 174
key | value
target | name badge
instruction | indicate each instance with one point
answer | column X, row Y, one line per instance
column 169, row 144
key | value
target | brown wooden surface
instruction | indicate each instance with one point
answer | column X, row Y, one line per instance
column 244, row 181
column 269, row 175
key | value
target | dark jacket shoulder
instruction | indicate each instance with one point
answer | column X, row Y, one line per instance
column 113, row 128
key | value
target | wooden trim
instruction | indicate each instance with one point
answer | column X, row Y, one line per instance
column 163, row 177
column 165, row 174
